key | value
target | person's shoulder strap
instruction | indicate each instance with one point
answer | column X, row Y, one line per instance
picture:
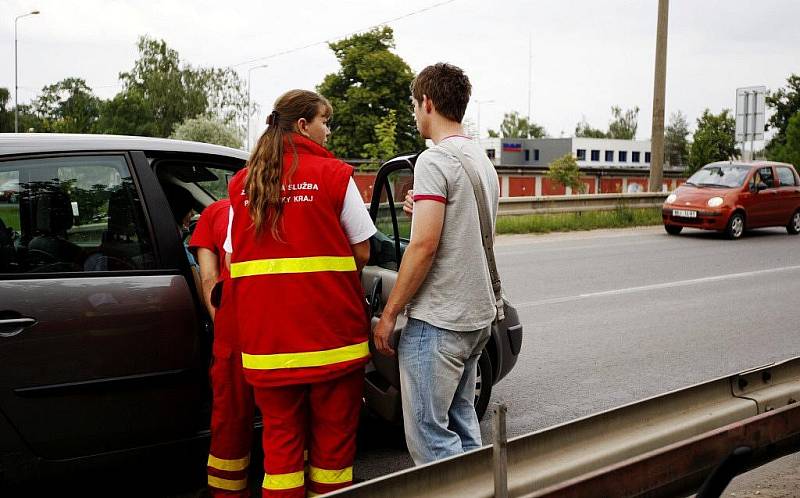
column 487, row 235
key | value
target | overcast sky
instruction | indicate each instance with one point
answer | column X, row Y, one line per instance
column 587, row 54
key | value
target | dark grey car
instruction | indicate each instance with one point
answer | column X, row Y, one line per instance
column 104, row 343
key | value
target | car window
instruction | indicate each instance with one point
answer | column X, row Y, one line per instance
column 394, row 226
column 73, row 214
column 765, row 174
column 217, row 188
column 786, row 176
column 720, row 176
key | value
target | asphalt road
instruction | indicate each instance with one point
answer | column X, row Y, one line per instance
column 615, row 316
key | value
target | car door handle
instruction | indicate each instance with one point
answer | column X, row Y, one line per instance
column 375, row 297
column 13, row 326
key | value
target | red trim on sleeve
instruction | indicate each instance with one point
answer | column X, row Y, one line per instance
column 430, row 197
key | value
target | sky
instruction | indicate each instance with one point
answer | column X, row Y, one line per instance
column 578, row 57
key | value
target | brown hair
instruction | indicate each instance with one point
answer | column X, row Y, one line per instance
column 265, row 166
column 446, row 86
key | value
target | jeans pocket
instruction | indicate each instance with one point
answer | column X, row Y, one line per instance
column 451, row 343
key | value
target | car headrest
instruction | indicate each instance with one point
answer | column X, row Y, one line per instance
column 53, row 212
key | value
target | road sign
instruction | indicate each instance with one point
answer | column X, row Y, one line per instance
column 750, row 113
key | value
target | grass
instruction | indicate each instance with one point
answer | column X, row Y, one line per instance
column 621, row 217
column 9, row 214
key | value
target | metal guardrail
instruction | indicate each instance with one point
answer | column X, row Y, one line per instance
column 656, row 447
column 576, row 203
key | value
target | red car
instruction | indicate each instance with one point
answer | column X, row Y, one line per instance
column 731, row 197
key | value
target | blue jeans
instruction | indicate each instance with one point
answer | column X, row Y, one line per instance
column 437, row 379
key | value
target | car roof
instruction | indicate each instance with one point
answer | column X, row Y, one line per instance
column 748, row 164
column 38, row 143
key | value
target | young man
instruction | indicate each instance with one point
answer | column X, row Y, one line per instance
column 232, row 405
column 443, row 283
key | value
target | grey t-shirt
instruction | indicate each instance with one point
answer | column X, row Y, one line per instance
column 457, row 292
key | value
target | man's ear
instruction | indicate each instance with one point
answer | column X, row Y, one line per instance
column 427, row 105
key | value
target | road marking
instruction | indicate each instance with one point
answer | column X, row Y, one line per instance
column 647, row 288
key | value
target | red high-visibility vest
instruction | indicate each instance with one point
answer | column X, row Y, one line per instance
column 300, row 307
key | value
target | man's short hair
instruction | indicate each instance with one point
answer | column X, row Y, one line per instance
column 446, row 86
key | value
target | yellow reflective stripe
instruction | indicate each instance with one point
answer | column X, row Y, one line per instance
column 307, row 359
column 325, row 476
column 228, row 465
column 227, row 484
column 292, row 265
column 284, row 481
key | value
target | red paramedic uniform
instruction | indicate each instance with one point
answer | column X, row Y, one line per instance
column 302, row 324
column 232, row 405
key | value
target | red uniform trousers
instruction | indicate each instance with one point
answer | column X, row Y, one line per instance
column 232, row 412
column 322, row 417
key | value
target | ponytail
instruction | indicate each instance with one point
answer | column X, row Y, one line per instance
column 265, row 167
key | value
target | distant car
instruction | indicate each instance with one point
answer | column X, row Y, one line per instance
column 104, row 342
column 731, row 197
column 9, row 191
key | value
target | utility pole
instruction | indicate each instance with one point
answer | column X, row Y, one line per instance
column 659, row 93
column 16, row 57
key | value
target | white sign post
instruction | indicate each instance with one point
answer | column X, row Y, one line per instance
column 750, row 117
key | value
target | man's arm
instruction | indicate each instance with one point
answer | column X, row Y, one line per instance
column 209, row 274
column 361, row 254
column 417, row 261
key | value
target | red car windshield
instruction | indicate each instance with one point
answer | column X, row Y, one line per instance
column 727, row 176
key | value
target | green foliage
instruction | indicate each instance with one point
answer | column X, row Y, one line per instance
column 128, row 113
column 789, row 150
column 6, row 114
column 159, row 93
column 584, row 129
column 371, row 82
column 385, row 146
column 516, row 126
column 713, row 140
column 208, row 130
column 786, row 103
column 623, row 125
column 620, row 217
column 492, row 133
column 68, row 106
column 565, row 171
column 676, row 142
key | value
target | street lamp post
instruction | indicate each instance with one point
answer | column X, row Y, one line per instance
column 479, row 102
column 249, row 72
column 16, row 86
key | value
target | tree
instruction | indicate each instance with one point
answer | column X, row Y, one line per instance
column 623, row 125
column 516, row 126
column 6, row 115
column 789, row 151
column 492, row 134
column 371, row 82
column 584, row 129
column 676, row 143
column 565, row 171
column 68, row 106
column 159, row 93
column 385, row 145
column 714, row 139
column 208, row 130
column 786, row 103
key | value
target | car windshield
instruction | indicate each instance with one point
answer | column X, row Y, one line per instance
column 727, row 175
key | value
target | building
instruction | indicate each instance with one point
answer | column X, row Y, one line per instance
column 610, row 165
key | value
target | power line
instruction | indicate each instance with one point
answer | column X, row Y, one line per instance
column 329, row 40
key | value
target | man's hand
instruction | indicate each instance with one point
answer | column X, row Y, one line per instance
column 408, row 203
column 383, row 332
